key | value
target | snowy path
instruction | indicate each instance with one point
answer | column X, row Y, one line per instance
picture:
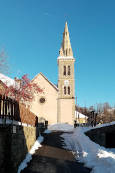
column 100, row 159
column 52, row 158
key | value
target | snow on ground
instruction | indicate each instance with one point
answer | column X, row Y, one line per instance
column 111, row 150
column 36, row 145
column 47, row 131
column 100, row 159
column 61, row 127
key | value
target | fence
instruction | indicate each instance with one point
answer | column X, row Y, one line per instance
column 11, row 109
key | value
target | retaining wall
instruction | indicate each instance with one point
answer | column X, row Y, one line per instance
column 103, row 136
column 15, row 142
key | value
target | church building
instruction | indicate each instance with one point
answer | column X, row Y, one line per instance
column 57, row 104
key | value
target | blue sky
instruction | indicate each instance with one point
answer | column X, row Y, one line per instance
column 31, row 34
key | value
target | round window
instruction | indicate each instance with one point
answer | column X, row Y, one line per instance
column 42, row 100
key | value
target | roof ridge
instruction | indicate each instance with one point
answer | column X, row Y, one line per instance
column 47, row 80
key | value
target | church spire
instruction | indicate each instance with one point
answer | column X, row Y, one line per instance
column 66, row 49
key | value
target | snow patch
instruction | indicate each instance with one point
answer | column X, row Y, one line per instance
column 31, row 152
column 6, row 80
column 47, row 131
column 61, row 127
column 93, row 155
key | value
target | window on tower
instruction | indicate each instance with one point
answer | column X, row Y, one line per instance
column 64, row 73
column 68, row 90
column 68, row 69
column 65, row 90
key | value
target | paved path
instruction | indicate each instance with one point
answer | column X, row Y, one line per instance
column 52, row 158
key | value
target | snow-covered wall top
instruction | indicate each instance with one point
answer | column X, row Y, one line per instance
column 104, row 125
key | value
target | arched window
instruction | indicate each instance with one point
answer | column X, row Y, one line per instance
column 68, row 69
column 64, row 90
column 68, row 90
column 64, row 72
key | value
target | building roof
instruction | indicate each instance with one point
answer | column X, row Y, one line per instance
column 54, row 86
column 6, row 80
column 80, row 115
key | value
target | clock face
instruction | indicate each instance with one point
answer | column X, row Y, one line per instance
column 66, row 82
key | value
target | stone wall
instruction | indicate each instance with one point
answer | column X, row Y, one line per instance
column 99, row 135
column 4, row 147
column 15, row 142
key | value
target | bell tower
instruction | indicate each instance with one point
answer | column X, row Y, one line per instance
column 66, row 86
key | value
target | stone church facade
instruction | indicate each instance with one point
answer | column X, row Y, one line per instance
column 57, row 104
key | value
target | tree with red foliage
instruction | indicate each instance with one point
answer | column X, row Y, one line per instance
column 23, row 89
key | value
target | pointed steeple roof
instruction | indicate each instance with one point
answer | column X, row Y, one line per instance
column 66, row 49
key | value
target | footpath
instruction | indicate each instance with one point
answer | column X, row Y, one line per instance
column 52, row 158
